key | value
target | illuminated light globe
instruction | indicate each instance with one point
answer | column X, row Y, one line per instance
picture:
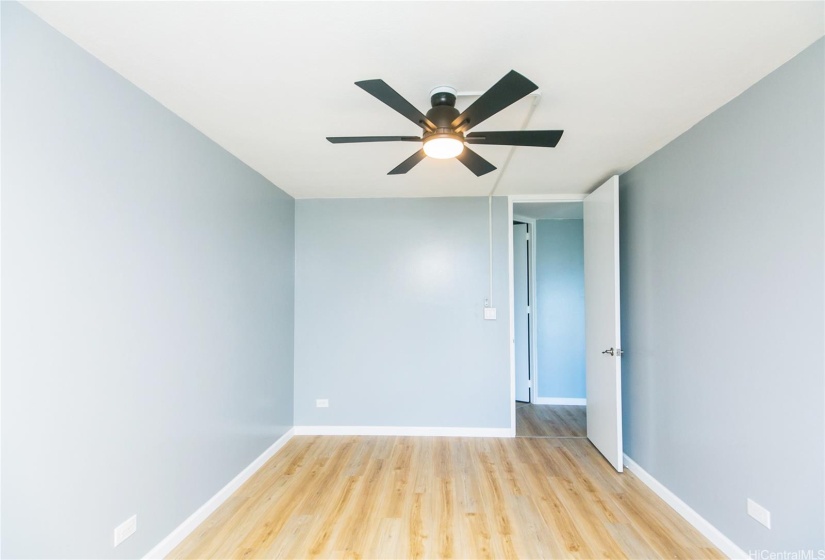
column 444, row 147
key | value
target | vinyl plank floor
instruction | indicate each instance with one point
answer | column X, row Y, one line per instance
column 419, row 497
column 544, row 420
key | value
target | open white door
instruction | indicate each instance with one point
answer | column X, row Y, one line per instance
column 602, row 333
column 521, row 317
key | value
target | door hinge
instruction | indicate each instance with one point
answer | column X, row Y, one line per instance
column 528, row 236
column 528, row 309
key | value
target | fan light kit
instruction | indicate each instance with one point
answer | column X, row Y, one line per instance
column 444, row 128
column 444, row 146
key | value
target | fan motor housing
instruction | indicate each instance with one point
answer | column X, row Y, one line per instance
column 443, row 110
column 442, row 116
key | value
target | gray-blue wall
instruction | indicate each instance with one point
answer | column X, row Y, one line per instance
column 560, row 308
column 722, row 311
column 147, row 306
column 388, row 313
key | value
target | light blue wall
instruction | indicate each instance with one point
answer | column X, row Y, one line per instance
column 560, row 308
column 388, row 313
column 147, row 306
column 722, row 311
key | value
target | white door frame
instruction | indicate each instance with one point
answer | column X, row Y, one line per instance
column 533, row 331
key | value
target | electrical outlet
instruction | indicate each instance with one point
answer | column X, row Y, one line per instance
column 125, row 530
column 490, row 313
column 759, row 513
column 321, row 403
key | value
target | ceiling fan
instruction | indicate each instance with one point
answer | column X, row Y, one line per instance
column 444, row 128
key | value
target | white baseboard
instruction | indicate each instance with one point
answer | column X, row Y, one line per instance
column 402, row 431
column 174, row 538
column 559, row 401
column 714, row 535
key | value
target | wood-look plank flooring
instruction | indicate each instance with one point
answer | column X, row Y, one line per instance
column 544, row 420
column 419, row 497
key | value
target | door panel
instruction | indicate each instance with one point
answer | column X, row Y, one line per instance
column 520, row 299
column 601, row 293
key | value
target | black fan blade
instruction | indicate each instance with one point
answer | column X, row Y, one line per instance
column 475, row 162
column 538, row 138
column 384, row 93
column 504, row 93
column 408, row 163
column 353, row 139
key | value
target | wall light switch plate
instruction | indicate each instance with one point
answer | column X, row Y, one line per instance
column 490, row 313
column 321, row 403
column 125, row 530
column 759, row 513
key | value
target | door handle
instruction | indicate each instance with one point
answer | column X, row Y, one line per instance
column 614, row 352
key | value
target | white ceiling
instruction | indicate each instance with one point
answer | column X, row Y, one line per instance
column 549, row 210
column 269, row 80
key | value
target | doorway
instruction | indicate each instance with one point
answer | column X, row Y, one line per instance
column 548, row 302
column 555, row 334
